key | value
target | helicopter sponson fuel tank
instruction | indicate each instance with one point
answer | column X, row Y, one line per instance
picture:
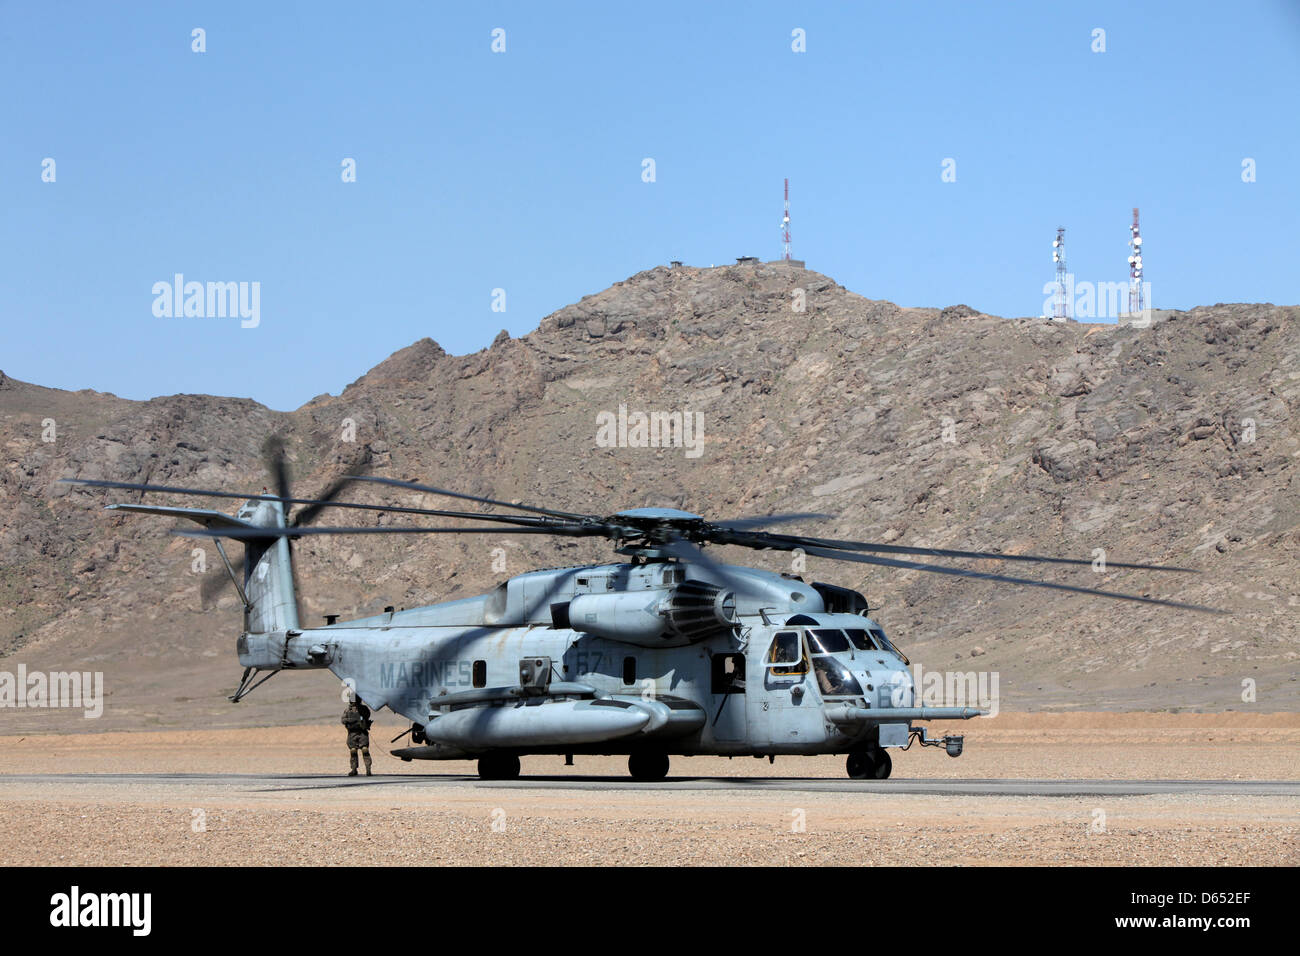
column 547, row 723
column 531, row 723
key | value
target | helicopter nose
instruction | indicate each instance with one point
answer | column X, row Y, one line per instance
column 897, row 691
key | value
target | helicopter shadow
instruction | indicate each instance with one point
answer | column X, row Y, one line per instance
column 620, row 781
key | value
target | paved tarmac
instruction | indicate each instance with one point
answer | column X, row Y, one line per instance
column 931, row 787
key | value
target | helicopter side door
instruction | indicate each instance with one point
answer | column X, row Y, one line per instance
column 784, row 716
column 727, row 685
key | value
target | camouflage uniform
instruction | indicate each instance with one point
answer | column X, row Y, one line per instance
column 357, row 720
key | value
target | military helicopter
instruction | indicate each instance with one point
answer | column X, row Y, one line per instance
column 665, row 653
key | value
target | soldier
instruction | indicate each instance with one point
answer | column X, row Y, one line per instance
column 357, row 721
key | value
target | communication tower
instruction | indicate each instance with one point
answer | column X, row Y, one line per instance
column 785, row 221
column 1060, row 306
column 1135, row 298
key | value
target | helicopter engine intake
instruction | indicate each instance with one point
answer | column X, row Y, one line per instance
column 691, row 611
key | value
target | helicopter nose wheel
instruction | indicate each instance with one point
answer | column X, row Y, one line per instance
column 648, row 765
column 872, row 763
column 498, row 766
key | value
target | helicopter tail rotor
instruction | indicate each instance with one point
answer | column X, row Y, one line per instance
column 265, row 525
column 284, row 609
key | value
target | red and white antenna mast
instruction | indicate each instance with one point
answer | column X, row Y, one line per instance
column 785, row 221
column 1135, row 303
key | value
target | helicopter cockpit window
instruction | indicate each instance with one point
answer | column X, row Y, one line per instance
column 826, row 640
column 834, row 679
column 786, row 654
column 888, row 645
column 862, row 640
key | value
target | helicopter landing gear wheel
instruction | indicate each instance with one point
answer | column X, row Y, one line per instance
column 498, row 767
column 872, row 763
column 648, row 765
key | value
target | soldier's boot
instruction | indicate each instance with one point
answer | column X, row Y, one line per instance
column 352, row 758
column 365, row 752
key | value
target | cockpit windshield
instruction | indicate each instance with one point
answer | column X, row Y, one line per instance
column 888, row 645
column 825, row 640
column 834, row 679
column 862, row 640
column 873, row 639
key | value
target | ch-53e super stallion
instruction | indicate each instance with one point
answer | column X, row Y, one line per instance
column 668, row 652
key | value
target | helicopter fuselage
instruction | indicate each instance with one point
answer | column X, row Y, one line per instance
column 668, row 653
column 679, row 665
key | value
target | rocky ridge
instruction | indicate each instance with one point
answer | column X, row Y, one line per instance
column 1176, row 443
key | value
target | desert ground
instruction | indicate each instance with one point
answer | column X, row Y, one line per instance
column 278, row 795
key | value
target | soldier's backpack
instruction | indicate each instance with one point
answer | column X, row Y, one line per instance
column 353, row 721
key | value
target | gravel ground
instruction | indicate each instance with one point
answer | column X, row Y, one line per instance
column 401, row 822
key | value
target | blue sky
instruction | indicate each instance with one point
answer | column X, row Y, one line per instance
column 522, row 170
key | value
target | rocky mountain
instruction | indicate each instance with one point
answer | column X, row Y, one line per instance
column 1177, row 443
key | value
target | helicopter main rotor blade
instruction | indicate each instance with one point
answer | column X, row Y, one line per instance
column 789, row 542
column 429, row 489
column 164, row 489
column 1003, row 578
column 675, row 539
column 396, row 509
column 759, row 521
column 572, row 531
